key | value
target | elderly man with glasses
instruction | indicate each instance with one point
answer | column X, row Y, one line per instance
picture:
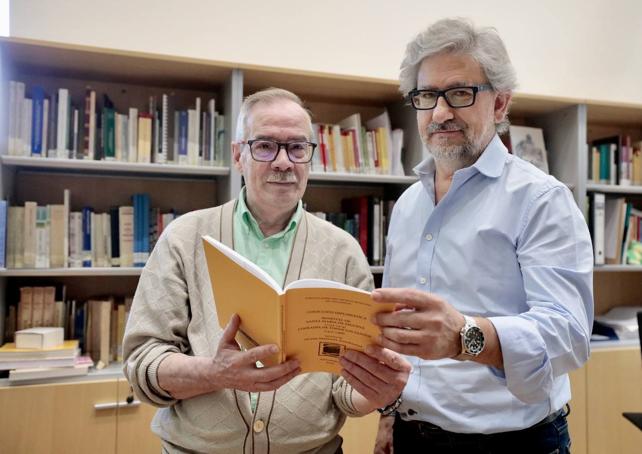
column 215, row 397
column 491, row 259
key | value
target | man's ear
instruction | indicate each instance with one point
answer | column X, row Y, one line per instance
column 236, row 156
column 502, row 102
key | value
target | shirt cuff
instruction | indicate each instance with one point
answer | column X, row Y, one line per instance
column 527, row 373
column 152, row 377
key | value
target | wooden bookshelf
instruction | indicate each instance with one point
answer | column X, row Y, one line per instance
column 113, row 167
column 70, row 272
column 568, row 124
column 613, row 188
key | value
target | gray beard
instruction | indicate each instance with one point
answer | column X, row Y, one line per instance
column 454, row 156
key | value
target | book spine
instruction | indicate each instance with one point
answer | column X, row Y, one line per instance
column 3, row 233
column 38, row 101
column 599, row 202
column 86, row 237
column 63, row 118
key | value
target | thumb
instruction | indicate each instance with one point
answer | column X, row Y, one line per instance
column 229, row 333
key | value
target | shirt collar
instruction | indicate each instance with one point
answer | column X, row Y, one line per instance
column 250, row 222
column 490, row 163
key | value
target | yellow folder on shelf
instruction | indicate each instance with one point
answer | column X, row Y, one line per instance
column 313, row 320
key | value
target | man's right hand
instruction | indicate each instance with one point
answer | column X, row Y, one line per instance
column 184, row 376
column 233, row 368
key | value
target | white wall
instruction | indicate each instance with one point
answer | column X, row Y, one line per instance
column 584, row 49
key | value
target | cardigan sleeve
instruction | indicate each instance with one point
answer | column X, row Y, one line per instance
column 158, row 320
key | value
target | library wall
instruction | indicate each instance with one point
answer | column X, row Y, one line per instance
column 583, row 49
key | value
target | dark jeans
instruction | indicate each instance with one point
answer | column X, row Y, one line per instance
column 549, row 437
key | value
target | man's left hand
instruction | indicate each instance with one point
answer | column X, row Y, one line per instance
column 379, row 374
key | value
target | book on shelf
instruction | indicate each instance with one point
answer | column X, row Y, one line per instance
column 40, row 338
column 12, row 357
column 312, row 320
column 78, row 369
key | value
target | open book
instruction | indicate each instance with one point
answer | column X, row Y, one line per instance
column 312, row 320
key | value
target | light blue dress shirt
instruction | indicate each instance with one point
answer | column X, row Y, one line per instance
column 506, row 242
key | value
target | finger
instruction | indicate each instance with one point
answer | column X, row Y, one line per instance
column 357, row 359
column 391, row 359
column 407, row 296
column 382, row 373
column 404, row 349
column 368, row 372
column 278, row 382
column 363, row 389
column 402, row 336
column 229, row 333
column 271, row 373
column 260, row 353
column 400, row 319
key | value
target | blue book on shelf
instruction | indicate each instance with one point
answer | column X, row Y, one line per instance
column 3, row 233
column 80, row 321
column 86, row 237
column 182, row 133
column 38, row 106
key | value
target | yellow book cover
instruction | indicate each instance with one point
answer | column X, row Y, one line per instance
column 312, row 320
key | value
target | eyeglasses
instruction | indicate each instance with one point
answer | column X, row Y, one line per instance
column 455, row 97
column 265, row 150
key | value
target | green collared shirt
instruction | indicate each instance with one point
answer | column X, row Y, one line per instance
column 272, row 254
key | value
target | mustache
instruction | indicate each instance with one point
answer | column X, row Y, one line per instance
column 281, row 177
column 449, row 125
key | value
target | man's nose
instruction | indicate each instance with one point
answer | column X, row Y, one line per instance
column 282, row 161
column 442, row 111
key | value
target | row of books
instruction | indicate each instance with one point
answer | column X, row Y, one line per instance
column 367, row 219
column 616, row 228
column 53, row 237
column 615, row 160
column 350, row 146
column 43, row 125
column 97, row 324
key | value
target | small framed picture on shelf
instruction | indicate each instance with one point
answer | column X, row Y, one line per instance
column 528, row 144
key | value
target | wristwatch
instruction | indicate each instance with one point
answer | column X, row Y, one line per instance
column 472, row 339
column 391, row 408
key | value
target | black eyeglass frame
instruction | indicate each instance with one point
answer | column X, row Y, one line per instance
column 442, row 93
column 280, row 145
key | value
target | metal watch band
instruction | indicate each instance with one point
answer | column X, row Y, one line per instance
column 391, row 408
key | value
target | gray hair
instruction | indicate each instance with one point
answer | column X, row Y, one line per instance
column 267, row 96
column 460, row 36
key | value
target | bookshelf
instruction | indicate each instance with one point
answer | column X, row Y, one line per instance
column 130, row 77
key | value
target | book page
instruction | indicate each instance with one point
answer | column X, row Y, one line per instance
column 321, row 324
column 238, row 288
column 322, row 283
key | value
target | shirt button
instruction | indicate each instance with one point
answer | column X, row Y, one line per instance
column 258, row 426
column 428, row 237
column 422, row 280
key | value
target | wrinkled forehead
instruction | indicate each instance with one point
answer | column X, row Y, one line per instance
column 280, row 117
column 447, row 70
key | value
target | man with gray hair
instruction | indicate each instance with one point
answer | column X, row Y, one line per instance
column 491, row 260
column 213, row 396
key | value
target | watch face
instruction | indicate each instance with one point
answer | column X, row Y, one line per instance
column 474, row 341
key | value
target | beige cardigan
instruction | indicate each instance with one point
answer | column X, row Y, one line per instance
column 173, row 311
